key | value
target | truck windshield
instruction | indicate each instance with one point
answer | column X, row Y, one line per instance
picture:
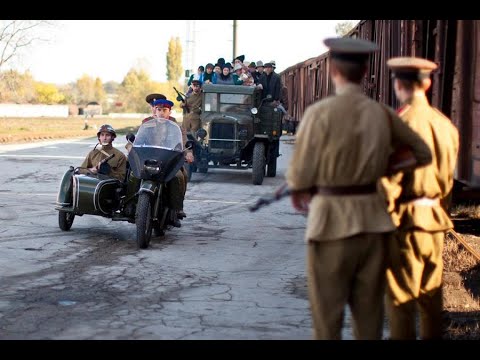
column 228, row 102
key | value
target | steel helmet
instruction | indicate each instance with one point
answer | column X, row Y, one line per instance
column 107, row 128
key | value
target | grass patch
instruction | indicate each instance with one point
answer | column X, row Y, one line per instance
column 455, row 257
column 466, row 211
column 13, row 130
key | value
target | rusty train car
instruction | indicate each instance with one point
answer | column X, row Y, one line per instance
column 453, row 44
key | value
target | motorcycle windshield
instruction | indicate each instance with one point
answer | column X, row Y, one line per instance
column 157, row 152
column 159, row 133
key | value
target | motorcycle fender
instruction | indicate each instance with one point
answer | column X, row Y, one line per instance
column 148, row 186
column 64, row 197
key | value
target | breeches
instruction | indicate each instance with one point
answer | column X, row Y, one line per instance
column 191, row 124
column 414, row 278
column 347, row 271
column 176, row 191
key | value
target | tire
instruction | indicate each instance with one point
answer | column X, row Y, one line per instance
column 272, row 163
column 143, row 220
column 203, row 170
column 272, row 167
column 65, row 220
column 189, row 170
column 258, row 163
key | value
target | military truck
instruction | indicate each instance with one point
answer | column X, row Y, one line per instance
column 239, row 131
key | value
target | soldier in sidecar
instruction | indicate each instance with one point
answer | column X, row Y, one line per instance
column 116, row 167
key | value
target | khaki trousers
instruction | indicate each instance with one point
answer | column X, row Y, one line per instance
column 347, row 271
column 191, row 124
column 414, row 279
column 176, row 191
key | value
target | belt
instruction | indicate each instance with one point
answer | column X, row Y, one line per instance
column 424, row 201
column 345, row 190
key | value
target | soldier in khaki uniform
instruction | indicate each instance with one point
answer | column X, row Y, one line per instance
column 341, row 151
column 117, row 165
column 419, row 202
column 191, row 120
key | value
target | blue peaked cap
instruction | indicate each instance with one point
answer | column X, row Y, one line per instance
column 163, row 102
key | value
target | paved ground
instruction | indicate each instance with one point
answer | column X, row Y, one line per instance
column 226, row 274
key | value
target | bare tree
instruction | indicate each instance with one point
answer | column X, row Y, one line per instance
column 17, row 34
column 342, row 28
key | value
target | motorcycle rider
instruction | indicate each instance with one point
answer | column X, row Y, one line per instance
column 150, row 99
column 115, row 167
column 177, row 187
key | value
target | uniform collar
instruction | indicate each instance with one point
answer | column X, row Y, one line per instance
column 348, row 88
column 107, row 147
column 418, row 98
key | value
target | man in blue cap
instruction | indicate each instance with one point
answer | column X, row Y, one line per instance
column 178, row 185
column 150, row 99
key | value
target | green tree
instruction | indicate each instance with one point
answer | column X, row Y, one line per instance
column 342, row 28
column 133, row 89
column 174, row 60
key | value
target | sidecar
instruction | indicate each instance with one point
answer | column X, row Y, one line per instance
column 90, row 194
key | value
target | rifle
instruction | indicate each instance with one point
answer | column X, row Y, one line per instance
column 182, row 97
column 280, row 193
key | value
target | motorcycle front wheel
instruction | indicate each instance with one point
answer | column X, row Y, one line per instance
column 143, row 221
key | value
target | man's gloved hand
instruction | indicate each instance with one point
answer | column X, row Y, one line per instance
column 130, row 137
column 105, row 169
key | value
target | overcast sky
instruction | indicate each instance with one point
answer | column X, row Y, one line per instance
column 109, row 48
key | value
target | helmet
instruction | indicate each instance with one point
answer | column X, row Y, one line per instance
column 108, row 128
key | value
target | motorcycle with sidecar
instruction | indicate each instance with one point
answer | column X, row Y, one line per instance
column 156, row 155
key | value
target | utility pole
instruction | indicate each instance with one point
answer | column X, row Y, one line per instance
column 234, row 39
column 189, row 50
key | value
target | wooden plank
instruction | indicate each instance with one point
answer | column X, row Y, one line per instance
column 465, row 244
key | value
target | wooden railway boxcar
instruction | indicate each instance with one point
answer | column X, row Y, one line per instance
column 453, row 44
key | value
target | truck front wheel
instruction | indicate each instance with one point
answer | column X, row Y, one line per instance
column 258, row 163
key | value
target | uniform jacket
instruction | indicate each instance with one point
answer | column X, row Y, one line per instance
column 432, row 181
column 118, row 163
column 346, row 140
column 194, row 103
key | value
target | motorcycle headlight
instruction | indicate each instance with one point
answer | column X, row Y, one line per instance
column 202, row 133
column 152, row 167
column 254, row 111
